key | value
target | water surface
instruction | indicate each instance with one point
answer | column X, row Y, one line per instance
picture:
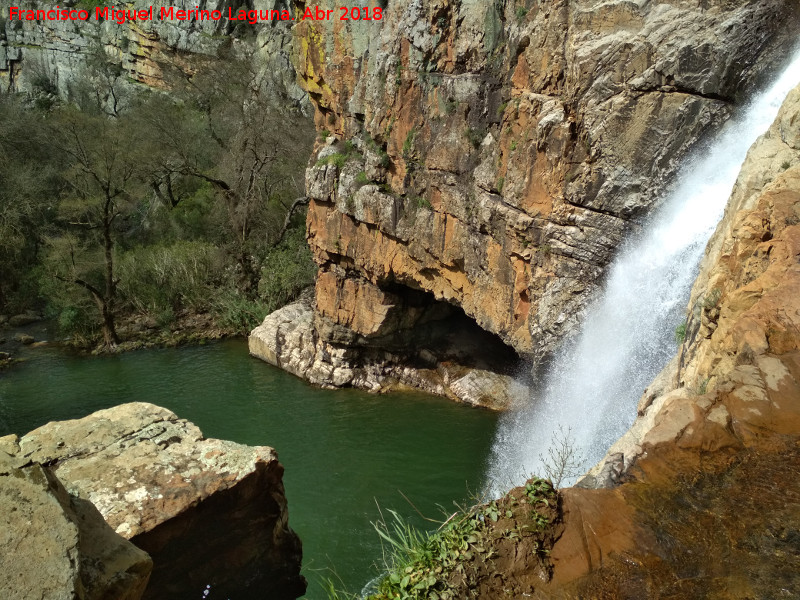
column 346, row 452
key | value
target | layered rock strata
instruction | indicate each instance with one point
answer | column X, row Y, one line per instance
column 209, row 512
column 56, row 545
column 492, row 156
column 702, row 495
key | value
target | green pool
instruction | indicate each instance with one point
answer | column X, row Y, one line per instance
column 346, row 452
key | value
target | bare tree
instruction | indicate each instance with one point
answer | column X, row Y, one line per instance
column 100, row 181
column 227, row 131
column 564, row 459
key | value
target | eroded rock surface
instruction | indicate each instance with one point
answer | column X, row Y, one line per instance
column 703, row 497
column 209, row 512
column 50, row 56
column 289, row 339
column 57, row 546
column 492, row 156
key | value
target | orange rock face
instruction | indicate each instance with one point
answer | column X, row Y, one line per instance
column 493, row 157
column 709, row 501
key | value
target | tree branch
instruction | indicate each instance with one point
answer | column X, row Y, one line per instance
column 301, row 201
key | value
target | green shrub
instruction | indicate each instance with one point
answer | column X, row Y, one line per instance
column 237, row 312
column 408, row 145
column 158, row 280
column 712, row 299
column 288, row 269
column 423, row 202
column 680, row 333
column 337, row 158
column 439, row 565
column 474, row 137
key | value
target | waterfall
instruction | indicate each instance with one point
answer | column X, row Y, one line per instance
column 592, row 386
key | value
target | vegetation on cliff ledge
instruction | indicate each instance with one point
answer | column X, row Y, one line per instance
column 472, row 549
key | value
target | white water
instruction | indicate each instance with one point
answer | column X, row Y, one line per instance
column 594, row 382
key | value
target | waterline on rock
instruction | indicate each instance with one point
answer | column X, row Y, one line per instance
column 594, row 382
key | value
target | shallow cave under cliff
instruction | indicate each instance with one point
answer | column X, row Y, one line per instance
column 446, row 333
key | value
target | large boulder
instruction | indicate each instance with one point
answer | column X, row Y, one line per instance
column 209, row 512
column 57, row 546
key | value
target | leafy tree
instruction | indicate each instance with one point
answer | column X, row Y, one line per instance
column 28, row 184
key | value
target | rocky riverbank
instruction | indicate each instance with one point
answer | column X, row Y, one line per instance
column 208, row 512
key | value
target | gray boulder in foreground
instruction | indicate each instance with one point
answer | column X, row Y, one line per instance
column 56, row 546
column 209, row 512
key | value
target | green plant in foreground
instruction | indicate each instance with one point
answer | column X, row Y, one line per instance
column 442, row 565
column 419, row 562
column 680, row 333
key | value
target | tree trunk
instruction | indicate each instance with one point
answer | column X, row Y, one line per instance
column 109, row 328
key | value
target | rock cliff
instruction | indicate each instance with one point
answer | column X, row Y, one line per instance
column 209, row 512
column 49, row 57
column 700, row 499
column 702, row 493
column 485, row 160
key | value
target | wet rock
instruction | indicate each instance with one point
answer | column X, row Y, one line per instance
column 208, row 511
column 23, row 338
column 24, row 319
column 57, row 546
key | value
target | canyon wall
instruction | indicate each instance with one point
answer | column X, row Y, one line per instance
column 700, row 499
column 483, row 161
column 50, row 57
column 701, row 494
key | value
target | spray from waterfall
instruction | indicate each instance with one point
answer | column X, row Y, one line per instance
column 593, row 384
